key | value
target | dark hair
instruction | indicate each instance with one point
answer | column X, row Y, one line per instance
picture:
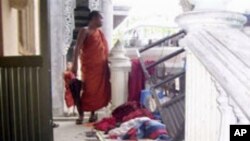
column 93, row 14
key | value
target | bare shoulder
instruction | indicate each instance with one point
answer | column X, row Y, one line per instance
column 101, row 31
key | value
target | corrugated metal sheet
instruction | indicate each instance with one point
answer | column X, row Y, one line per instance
column 19, row 99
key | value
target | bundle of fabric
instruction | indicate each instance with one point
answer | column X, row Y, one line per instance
column 121, row 114
column 140, row 128
column 138, row 113
column 126, row 126
column 124, row 110
column 150, row 129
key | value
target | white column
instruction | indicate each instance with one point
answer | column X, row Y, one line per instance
column 211, row 38
column 69, row 23
column 61, row 25
column 57, row 49
column 247, row 30
column 107, row 11
column 209, row 4
column 240, row 6
column 202, row 115
column 120, row 66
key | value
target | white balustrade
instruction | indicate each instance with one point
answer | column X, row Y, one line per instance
column 217, row 77
column 202, row 115
column 120, row 66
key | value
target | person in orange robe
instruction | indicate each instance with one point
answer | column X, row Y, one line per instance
column 93, row 50
column 68, row 76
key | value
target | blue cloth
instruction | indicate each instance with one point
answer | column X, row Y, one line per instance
column 144, row 96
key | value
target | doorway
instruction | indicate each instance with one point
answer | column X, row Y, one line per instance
column 25, row 98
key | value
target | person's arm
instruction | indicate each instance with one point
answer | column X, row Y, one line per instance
column 79, row 43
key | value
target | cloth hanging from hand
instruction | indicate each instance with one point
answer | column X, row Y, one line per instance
column 68, row 97
column 75, row 88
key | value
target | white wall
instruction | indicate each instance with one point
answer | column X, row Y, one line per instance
column 10, row 35
column 57, row 59
column 37, row 26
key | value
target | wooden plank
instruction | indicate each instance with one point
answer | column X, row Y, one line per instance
column 45, row 98
column 21, row 61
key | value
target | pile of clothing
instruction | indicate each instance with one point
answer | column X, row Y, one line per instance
column 131, row 122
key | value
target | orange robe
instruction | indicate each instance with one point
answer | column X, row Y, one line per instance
column 95, row 72
column 68, row 76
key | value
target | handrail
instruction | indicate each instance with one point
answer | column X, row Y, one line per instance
column 168, row 103
column 181, row 33
column 175, row 126
column 166, row 58
column 168, row 79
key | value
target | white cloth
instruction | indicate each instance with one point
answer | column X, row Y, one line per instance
column 126, row 126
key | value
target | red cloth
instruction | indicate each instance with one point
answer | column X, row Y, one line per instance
column 68, row 76
column 137, row 79
column 105, row 124
column 124, row 110
column 129, row 111
column 95, row 72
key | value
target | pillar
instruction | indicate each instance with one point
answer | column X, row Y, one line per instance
column 212, row 30
column 61, row 29
column 107, row 11
column 120, row 66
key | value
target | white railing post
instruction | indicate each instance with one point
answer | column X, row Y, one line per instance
column 120, row 66
column 216, row 78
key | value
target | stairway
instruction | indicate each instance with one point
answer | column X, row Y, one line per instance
column 172, row 111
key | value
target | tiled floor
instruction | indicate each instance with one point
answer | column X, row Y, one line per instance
column 68, row 131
